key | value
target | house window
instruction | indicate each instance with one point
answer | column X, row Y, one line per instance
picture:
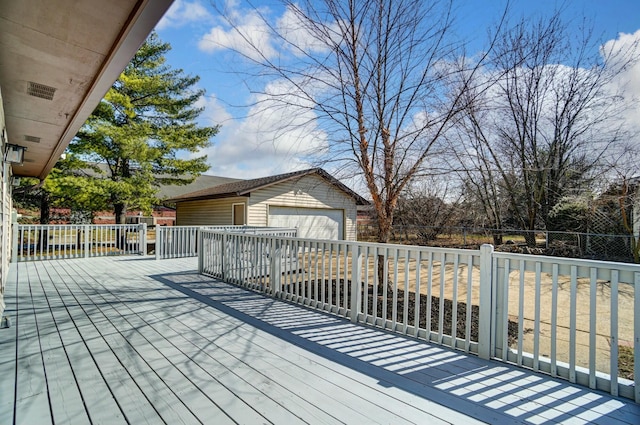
column 238, row 215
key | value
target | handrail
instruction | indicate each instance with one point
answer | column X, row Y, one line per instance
column 182, row 241
column 568, row 318
column 57, row 241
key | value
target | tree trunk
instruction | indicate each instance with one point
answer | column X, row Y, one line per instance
column 497, row 236
column 530, row 239
column 45, row 217
column 45, row 208
column 384, row 233
column 120, row 210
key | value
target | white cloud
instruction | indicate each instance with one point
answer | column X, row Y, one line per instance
column 299, row 37
column 628, row 81
column 627, row 85
column 214, row 112
column 246, row 32
column 249, row 36
column 183, row 12
column 273, row 137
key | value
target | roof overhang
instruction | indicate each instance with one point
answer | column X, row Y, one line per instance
column 57, row 60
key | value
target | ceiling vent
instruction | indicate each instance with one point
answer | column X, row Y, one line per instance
column 32, row 139
column 40, row 90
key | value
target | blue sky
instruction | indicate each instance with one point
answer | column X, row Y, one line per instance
column 241, row 150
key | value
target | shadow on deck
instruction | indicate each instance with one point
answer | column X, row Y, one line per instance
column 135, row 340
column 487, row 391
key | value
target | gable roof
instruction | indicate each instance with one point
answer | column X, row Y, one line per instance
column 245, row 187
column 201, row 182
column 101, row 170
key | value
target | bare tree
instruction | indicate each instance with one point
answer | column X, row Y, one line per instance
column 423, row 210
column 472, row 157
column 548, row 123
column 375, row 74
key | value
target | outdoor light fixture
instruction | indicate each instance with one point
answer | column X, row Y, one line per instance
column 14, row 154
column 15, row 181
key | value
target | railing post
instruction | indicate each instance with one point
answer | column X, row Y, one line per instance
column 143, row 238
column 275, row 271
column 356, row 278
column 159, row 233
column 15, row 227
column 194, row 236
column 636, row 337
column 223, row 249
column 87, row 240
column 486, row 309
column 201, row 252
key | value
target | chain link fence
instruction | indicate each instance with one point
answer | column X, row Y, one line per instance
column 595, row 246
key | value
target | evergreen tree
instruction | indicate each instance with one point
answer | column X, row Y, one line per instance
column 136, row 132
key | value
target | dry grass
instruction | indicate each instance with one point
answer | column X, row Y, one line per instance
column 625, row 362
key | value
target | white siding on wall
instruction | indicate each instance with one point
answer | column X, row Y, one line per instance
column 5, row 215
column 208, row 212
column 308, row 192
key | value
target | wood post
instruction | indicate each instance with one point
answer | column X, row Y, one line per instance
column 159, row 242
column 142, row 229
column 87, row 241
column 486, row 310
column 201, row 252
column 15, row 232
column 356, row 279
column 275, row 272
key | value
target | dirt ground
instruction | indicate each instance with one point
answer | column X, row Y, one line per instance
column 602, row 311
column 442, row 285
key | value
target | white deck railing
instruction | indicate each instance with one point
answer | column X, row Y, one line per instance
column 580, row 315
column 569, row 318
column 46, row 242
column 182, row 241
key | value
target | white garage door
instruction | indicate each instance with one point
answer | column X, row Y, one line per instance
column 312, row 223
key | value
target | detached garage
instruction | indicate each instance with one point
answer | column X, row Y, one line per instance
column 314, row 202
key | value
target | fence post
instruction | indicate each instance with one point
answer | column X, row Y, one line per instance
column 486, row 309
column 275, row 271
column 159, row 235
column 15, row 227
column 636, row 336
column 194, row 236
column 143, row 238
column 87, row 240
column 201, row 252
column 223, row 259
column 356, row 278
column 546, row 239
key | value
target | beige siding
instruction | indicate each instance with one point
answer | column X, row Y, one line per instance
column 209, row 212
column 308, row 192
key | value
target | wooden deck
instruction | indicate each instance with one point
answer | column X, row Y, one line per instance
column 139, row 341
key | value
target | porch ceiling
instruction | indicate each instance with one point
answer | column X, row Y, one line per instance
column 68, row 53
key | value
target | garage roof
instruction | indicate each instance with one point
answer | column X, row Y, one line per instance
column 57, row 60
column 245, row 187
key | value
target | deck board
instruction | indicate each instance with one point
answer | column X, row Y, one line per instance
column 66, row 401
column 127, row 351
column 266, row 385
column 137, row 340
